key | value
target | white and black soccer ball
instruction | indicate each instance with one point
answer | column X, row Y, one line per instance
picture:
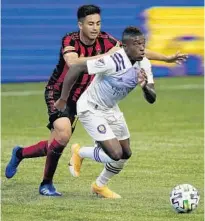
column 184, row 198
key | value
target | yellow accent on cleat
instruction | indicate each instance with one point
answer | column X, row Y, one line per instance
column 75, row 161
column 104, row 192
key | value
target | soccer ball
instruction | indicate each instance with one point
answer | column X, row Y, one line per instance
column 184, row 198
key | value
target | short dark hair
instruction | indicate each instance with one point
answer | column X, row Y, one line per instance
column 86, row 10
column 131, row 31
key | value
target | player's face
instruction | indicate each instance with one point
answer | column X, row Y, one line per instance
column 135, row 48
column 90, row 26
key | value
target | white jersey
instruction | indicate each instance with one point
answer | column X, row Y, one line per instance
column 115, row 78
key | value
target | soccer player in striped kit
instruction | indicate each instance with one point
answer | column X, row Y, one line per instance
column 89, row 42
column 97, row 108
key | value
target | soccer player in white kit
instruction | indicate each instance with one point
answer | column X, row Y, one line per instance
column 116, row 75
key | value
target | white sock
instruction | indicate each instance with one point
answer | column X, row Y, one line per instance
column 110, row 170
column 95, row 153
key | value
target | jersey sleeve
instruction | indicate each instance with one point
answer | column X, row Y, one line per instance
column 104, row 65
column 146, row 65
column 115, row 63
column 68, row 44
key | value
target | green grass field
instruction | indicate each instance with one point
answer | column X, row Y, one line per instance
column 167, row 141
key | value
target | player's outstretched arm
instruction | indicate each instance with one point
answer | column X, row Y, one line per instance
column 72, row 75
column 148, row 88
column 93, row 66
column 177, row 58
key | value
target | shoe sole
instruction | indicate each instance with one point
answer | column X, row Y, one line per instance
column 72, row 171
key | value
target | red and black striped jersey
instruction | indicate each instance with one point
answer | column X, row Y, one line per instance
column 103, row 43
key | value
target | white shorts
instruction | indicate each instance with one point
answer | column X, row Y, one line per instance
column 102, row 125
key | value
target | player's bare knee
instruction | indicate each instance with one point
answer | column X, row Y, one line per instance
column 112, row 148
column 62, row 129
column 116, row 155
column 64, row 137
column 127, row 154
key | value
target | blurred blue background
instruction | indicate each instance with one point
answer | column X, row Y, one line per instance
column 32, row 32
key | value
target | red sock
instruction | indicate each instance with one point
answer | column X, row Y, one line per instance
column 36, row 150
column 53, row 155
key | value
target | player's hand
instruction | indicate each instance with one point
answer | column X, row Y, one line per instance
column 60, row 105
column 142, row 78
column 177, row 58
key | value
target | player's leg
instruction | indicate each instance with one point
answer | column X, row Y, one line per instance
column 110, row 170
column 121, row 131
column 62, row 133
column 107, row 150
column 20, row 153
column 113, row 168
column 103, row 152
column 60, row 123
column 63, row 125
column 36, row 150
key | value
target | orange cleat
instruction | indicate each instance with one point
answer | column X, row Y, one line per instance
column 75, row 161
column 104, row 192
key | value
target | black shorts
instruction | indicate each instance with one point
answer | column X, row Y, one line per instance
column 51, row 96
